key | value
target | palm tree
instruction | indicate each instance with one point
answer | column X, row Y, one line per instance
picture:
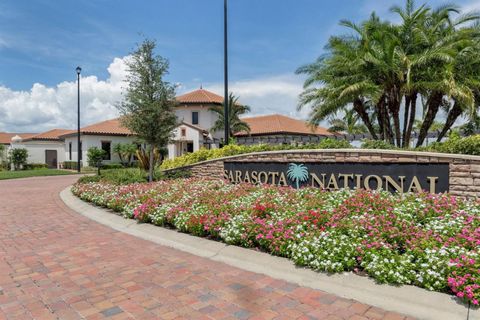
column 297, row 173
column 350, row 123
column 235, row 110
column 383, row 69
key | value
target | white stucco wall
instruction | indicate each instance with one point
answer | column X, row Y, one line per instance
column 191, row 135
column 206, row 118
column 89, row 141
column 36, row 150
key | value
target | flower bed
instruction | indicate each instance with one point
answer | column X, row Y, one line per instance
column 431, row 241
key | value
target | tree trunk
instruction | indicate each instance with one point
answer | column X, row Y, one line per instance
column 433, row 104
column 150, row 167
column 359, row 108
column 453, row 115
column 408, row 101
column 384, row 120
column 394, row 108
column 380, row 117
column 411, row 120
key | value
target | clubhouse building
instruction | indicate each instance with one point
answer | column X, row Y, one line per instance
column 195, row 119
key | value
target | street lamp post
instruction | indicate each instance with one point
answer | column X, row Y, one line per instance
column 225, row 57
column 78, row 118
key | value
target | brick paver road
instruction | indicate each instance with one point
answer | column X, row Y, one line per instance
column 56, row 264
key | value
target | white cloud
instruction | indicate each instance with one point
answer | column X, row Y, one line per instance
column 267, row 95
column 471, row 6
column 43, row 108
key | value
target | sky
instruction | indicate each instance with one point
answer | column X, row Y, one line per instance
column 43, row 41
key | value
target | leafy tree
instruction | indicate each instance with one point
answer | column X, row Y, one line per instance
column 235, row 110
column 95, row 156
column 125, row 152
column 383, row 70
column 350, row 123
column 148, row 107
column 18, row 156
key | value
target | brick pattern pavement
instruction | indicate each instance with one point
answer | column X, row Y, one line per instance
column 56, row 264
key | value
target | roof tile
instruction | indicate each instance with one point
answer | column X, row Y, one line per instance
column 200, row 96
column 277, row 123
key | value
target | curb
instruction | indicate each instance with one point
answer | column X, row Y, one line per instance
column 408, row 300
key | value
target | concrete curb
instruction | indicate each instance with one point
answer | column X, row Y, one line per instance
column 409, row 300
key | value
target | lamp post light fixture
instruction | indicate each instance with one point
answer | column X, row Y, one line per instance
column 79, row 151
column 225, row 57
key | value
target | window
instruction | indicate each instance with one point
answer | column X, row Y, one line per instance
column 184, row 132
column 194, row 117
column 70, row 151
column 106, row 147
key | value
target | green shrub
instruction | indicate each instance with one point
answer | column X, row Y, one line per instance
column 456, row 144
column 108, row 166
column 71, row 165
column 233, row 149
column 35, row 166
column 175, row 174
column 89, row 179
column 123, row 176
column 18, row 157
column 95, row 156
column 377, row 144
column 330, row 143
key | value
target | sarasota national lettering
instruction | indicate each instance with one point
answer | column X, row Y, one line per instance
column 393, row 177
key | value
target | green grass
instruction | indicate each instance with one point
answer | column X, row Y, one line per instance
column 32, row 173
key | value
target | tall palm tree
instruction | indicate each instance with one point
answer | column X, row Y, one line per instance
column 235, row 110
column 349, row 123
column 383, row 69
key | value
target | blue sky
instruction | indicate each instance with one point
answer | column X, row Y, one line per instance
column 42, row 41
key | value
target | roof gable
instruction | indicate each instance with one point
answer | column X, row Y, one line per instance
column 200, row 96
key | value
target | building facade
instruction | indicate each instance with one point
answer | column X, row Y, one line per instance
column 195, row 118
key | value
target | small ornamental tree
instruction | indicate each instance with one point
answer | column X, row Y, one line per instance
column 125, row 152
column 18, row 156
column 95, row 156
column 148, row 107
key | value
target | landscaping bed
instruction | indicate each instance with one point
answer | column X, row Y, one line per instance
column 431, row 241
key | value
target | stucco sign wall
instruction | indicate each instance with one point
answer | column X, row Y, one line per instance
column 393, row 177
column 393, row 170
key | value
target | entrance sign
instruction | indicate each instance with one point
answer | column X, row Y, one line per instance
column 393, row 177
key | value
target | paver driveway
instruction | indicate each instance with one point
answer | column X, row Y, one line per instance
column 56, row 264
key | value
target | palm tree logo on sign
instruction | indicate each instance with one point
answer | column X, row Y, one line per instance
column 297, row 173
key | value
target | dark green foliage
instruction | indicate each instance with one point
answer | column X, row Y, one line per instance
column 377, row 144
column 108, row 166
column 35, row 166
column 232, row 149
column 18, row 157
column 71, row 165
column 455, row 144
column 132, row 175
column 381, row 70
column 148, row 107
column 125, row 152
column 95, row 156
column 235, row 110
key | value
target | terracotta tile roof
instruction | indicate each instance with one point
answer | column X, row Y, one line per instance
column 193, row 126
column 53, row 134
column 200, row 96
column 277, row 123
column 107, row 127
column 6, row 137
